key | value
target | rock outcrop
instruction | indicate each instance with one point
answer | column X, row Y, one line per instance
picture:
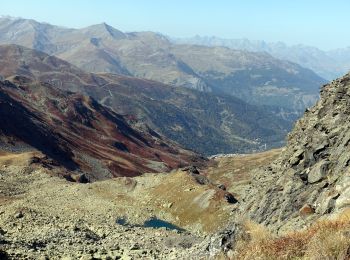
column 311, row 177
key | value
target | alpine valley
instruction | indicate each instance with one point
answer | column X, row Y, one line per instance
column 119, row 145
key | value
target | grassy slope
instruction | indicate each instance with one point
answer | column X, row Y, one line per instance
column 233, row 172
column 325, row 239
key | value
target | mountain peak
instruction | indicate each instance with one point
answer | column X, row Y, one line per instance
column 104, row 30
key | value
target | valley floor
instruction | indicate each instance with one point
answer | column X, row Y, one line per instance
column 42, row 215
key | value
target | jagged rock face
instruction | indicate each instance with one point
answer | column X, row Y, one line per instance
column 313, row 170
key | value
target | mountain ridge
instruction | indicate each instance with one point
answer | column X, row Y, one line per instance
column 201, row 121
column 151, row 56
column 59, row 124
column 328, row 64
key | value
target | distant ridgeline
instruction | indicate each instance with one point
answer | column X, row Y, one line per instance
column 254, row 98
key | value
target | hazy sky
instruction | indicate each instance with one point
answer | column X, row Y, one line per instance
column 322, row 23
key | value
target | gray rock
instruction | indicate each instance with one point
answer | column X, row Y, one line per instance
column 223, row 241
column 311, row 172
column 296, row 157
column 200, row 179
column 327, row 202
column 318, row 172
column 191, row 169
column 19, row 214
column 135, row 247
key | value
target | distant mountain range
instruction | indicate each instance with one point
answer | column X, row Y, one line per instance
column 328, row 64
column 257, row 78
column 205, row 122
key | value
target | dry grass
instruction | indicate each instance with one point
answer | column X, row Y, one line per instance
column 16, row 159
column 196, row 205
column 234, row 171
column 326, row 239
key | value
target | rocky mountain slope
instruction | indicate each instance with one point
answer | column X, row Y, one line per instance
column 311, row 177
column 328, row 64
column 154, row 216
column 205, row 122
column 76, row 132
column 102, row 48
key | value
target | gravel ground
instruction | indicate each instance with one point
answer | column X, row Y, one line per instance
column 46, row 217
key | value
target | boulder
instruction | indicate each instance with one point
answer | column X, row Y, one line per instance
column 80, row 178
column 306, row 210
column 222, row 241
column 201, row 179
column 318, row 172
column 230, row 198
column 191, row 169
column 327, row 202
column 296, row 157
column 19, row 214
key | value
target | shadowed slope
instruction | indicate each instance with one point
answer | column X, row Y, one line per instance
column 78, row 132
column 19, row 122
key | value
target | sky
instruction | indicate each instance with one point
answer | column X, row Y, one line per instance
column 321, row 23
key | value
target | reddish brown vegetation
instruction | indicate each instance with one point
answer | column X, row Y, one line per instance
column 81, row 134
